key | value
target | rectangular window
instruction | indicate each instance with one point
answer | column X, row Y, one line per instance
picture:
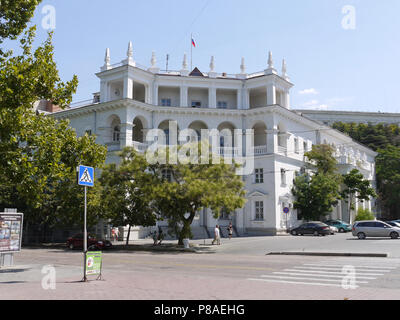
column 305, row 147
column 222, row 105
column 296, row 145
column 259, row 175
column 166, row 102
column 166, row 175
column 259, row 210
column 196, row 104
column 283, row 177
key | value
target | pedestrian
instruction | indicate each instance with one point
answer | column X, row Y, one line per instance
column 113, row 234
column 155, row 237
column 116, row 232
column 160, row 236
column 217, row 235
column 230, row 230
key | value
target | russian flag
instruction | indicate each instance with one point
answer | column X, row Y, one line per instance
column 193, row 43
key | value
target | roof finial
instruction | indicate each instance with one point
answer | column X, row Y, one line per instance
column 270, row 61
column 284, row 70
column 212, row 64
column 107, row 60
column 129, row 53
column 242, row 67
column 271, row 69
column 153, row 59
column 184, row 71
column 129, row 56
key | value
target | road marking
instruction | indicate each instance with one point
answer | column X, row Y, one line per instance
column 305, row 278
column 330, row 272
column 341, row 266
column 322, row 275
column 297, row 282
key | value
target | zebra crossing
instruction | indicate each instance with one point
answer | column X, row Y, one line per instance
column 339, row 274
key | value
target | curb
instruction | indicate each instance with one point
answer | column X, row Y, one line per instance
column 331, row 254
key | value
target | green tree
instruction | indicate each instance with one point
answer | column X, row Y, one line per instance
column 38, row 155
column 317, row 193
column 14, row 16
column 185, row 189
column 126, row 192
column 364, row 214
column 356, row 187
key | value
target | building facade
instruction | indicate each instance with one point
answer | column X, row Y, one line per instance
column 134, row 99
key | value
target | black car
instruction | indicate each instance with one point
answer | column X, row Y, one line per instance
column 315, row 228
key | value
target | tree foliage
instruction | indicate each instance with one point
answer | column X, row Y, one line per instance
column 126, row 191
column 193, row 187
column 384, row 139
column 317, row 193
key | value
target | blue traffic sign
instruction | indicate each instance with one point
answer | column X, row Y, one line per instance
column 86, row 176
column 286, row 210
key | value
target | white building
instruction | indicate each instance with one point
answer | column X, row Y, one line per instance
column 133, row 99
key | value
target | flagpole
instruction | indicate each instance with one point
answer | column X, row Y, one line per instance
column 191, row 52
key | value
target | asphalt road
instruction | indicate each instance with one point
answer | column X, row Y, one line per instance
column 238, row 269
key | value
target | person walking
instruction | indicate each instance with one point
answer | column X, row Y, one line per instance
column 230, row 230
column 217, row 235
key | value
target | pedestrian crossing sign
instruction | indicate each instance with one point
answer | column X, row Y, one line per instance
column 86, row 176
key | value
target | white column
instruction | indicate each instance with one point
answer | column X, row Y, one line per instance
column 184, row 96
column 128, row 88
column 239, row 103
column 246, row 99
column 103, row 91
column 155, row 94
column 271, row 94
column 212, row 97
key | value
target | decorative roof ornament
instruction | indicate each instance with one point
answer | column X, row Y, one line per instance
column 242, row 74
column 184, row 71
column 284, row 70
column 270, row 61
column 271, row 69
column 212, row 73
column 107, row 60
column 212, row 64
column 129, row 56
column 153, row 61
column 242, row 67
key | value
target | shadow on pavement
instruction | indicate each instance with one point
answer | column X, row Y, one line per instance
column 13, row 270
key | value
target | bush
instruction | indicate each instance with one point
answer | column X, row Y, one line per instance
column 364, row 214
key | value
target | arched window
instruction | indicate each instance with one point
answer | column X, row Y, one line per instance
column 116, row 133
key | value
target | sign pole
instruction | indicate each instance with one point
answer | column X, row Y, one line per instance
column 84, row 241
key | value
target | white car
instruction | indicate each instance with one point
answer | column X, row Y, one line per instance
column 333, row 229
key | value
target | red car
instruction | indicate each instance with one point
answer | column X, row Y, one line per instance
column 76, row 241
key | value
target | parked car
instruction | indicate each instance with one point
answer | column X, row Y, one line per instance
column 333, row 230
column 76, row 242
column 340, row 225
column 315, row 228
column 393, row 223
column 364, row 229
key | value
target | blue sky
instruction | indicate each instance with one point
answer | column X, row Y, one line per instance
column 332, row 68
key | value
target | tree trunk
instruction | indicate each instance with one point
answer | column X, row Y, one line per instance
column 129, row 233
column 185, row 232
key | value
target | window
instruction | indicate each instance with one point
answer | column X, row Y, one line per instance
column 88, row 132
column 196, row 104
column 166, row 102
column 166, row 175
column 283, row 177
column 305, row 147
column 225, row 215
column 259, row 210
column 296, row 145
column 259, row 175
column 116, row 134
column 222, row 105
